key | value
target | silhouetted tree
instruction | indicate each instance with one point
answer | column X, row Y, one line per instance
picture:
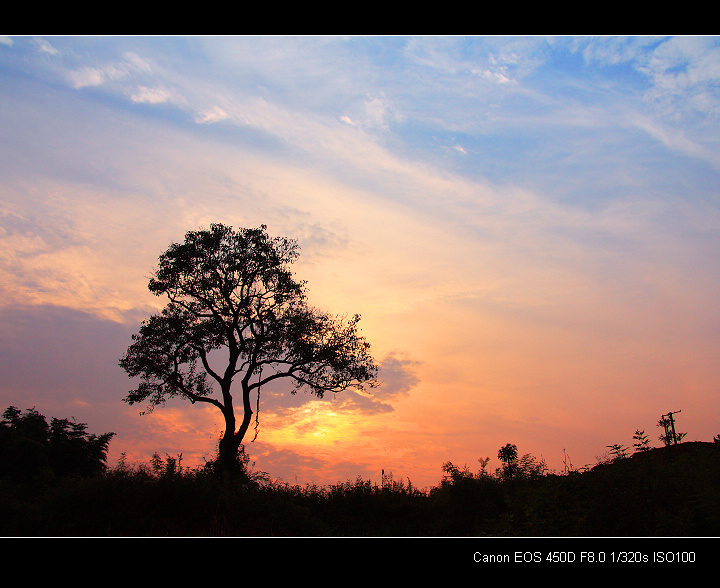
column 617, row 450
column 642, row 443
column 530, row 466
column 527, row 466
column 233, row 290
column 508, row 455
column 32, row 449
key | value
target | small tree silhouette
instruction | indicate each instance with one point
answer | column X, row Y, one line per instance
column 508, row 455
column 617, row 450
column 642, row 443
column 483, row 466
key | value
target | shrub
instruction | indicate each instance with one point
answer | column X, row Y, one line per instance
column 32, row 450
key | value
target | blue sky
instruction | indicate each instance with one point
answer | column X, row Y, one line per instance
column 528, row 226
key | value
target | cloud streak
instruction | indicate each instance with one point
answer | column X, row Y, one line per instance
column 527, row 225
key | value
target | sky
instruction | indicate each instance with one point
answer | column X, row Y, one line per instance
column 529, row 227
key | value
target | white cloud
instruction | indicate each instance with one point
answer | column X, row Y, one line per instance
column 211, row 115
column 494, row 76
column 135, row 63
column 145, row 95
column 86, row 76
column 613, row 50
column 683, row 71
column 377, row 111
column 46, row 47
column 681, row 68
column 677, row 140
column 131, row 64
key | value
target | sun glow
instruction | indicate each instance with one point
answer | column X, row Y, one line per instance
column 316, row 423
column 541, row 264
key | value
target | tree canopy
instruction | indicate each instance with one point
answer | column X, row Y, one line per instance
column 233, row 290
column 31, row 449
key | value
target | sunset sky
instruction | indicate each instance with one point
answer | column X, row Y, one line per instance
column 529, row 227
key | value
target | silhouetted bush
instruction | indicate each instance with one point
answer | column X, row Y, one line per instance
column 669, row 491
column 463, row 503
column 32, row 450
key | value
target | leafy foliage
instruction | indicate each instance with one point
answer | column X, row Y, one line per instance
column 30, row 449
column 642, row 442
column 526, row 466
column 618, row 451
column 233, row 290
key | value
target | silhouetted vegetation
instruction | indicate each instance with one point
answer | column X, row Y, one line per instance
column 668, row 491
column 233, row 290
column 33, row 450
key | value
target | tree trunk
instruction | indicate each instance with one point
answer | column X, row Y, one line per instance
column 228, row 462
column 229, row 445
column 228, row 450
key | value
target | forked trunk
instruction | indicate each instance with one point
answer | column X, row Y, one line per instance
column 228, row 461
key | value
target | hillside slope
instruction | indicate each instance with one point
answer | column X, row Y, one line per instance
column 669, row 491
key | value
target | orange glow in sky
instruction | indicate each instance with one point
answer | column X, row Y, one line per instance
column 528, row 226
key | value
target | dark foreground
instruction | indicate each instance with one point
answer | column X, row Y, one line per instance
column 670, row 492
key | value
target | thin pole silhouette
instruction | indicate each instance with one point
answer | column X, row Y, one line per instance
column 671, row 422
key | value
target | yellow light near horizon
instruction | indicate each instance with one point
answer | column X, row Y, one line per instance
column 316, row 422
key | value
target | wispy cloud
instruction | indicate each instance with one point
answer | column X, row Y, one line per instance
column 525, row 224
column 128, row 66
column 145, row 95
